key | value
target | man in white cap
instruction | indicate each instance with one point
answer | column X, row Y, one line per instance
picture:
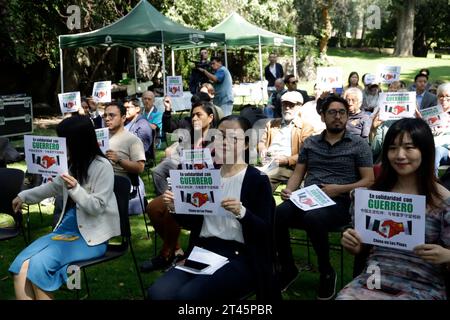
column 283, row 138
column 371, row 93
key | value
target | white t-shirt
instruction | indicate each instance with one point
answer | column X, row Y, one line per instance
column 226, row 227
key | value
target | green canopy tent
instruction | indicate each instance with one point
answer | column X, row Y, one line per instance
column 143, row 26
column 241, row 33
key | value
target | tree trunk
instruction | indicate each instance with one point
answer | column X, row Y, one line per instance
column 405, row 29
column 327, row 27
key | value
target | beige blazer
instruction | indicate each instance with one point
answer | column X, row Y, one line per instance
column 97, row 212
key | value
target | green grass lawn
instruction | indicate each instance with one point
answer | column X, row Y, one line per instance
column 367, row 61
column 118, row 280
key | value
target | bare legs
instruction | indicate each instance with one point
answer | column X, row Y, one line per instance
column 25, row 290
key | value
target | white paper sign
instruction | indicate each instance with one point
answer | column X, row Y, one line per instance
column 196, row 159
column 197, row 191
column 388, row 219
column 388, row 74
column 69, row 101
column 434, row 116
column 102, row 91
column 175, row 86
column 329, row 77
column 311, row 198
column 397, row 105
column 45, row 155
column 214, row 260
column 103, row 138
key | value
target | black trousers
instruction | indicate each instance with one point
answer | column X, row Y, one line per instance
column 317, row 223
column 234, row 280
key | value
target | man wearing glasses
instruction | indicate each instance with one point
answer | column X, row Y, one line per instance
column 223, row 85
column 291, row 84
column 126, row 151
column 337, row 162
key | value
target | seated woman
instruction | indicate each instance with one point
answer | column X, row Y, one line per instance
column 243, row 236
column 407, row 167
column 90, row 218
column 165, row 225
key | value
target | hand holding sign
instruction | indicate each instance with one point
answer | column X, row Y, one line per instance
column 351, row 241
column 17, row 204
column 232, row 205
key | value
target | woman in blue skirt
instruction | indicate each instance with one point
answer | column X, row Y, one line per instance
column 90, row 218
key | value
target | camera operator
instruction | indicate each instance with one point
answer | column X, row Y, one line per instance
column 197, row 77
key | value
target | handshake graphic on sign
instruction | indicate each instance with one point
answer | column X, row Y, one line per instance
column 45, row 161
column 388, row 228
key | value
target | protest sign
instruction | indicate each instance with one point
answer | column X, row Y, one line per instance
column 103, row 138
column 196, row 159
column 102, row 91
column 388, row 74
column 388, row 219
column 197, row 191
column 45, row 155
column 175, row 86
column 396, row 105
column 311, row 198
column 434, row 116
column 69, row 101
column 329, row 77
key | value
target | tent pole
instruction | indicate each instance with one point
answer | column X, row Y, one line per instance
column 61, row 69
column 261, row 68
column 163, row 68
column 225, row 53
column 135, row 70
column 173, row 61
column 295, row 58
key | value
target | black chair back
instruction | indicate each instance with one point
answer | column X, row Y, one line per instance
column 11, row 181
column 122, row 191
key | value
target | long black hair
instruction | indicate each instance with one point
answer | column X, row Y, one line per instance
column 82, row 145
column 422, row 139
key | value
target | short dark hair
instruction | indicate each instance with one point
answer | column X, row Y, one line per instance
column 330, row 99
column 289, row 76
column 119, row 105
column 200, row 97
column 217, row 58
column 420, row 75
column 425, row 71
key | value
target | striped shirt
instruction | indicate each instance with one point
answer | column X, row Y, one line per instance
column 334, row 164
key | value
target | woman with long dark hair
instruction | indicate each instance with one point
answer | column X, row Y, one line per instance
column 90, row 215
column 243, row 235
column 407, row 168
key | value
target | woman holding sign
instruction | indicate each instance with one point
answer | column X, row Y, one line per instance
column 90, row 216
column 407, row 168
column 243, row 235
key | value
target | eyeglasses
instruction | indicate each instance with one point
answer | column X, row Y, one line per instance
column 445, row 98
column 293, row 82
column 333, row 112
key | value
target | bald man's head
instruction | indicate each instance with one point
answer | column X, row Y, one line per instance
column 148, row 98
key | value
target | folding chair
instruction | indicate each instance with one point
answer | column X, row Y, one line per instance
column 121, row 189
column 11, row 181
column 134, row 179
